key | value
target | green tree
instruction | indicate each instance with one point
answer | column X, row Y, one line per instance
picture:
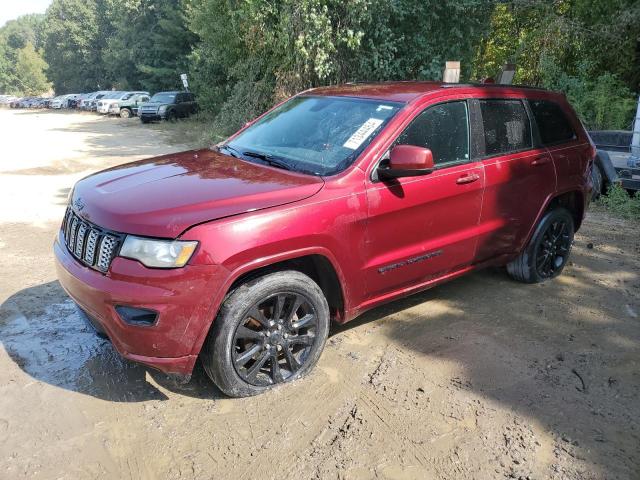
column 254, row 53
column 20, row 42
column 73, row 46
column 150, row 45
column 30, row 71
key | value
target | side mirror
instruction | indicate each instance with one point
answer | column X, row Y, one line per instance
column 407, row 161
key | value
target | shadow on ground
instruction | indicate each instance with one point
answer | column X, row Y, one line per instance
column 45, row 336
column 564, row 353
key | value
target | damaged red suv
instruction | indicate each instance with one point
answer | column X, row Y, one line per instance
column 335, row 201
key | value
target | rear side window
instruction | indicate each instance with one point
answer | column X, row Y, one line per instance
column 506, row 126
column 553, row 124
column 444, row 129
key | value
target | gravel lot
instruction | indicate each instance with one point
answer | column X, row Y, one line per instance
column 482, row 378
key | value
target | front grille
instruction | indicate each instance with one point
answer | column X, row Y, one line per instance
column 93, row 246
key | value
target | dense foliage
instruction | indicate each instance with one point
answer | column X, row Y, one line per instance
column 245, row 55
column 22, row 67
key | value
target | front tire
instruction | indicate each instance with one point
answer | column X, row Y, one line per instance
column 125, row 113
column 548, row 250
column 270, row 330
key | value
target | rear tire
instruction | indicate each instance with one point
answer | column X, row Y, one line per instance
column 597, row 181
column 548, row 250
column 269, row 331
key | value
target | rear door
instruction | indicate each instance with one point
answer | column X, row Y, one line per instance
column 520, row 176
column 420, row 228
column 571, row 154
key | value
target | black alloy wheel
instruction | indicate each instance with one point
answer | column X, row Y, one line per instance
column 553, row 249
column 273, row 341
column 270, row 330
column 547, row 252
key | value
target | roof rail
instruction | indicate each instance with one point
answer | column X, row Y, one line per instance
column 490, row 85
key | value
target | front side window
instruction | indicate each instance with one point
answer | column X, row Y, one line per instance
column 316, row 135
column 444, row 129
column 506, row 126
column 552, row 123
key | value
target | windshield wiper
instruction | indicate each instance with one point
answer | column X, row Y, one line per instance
column 232, row 151
column 268, row 159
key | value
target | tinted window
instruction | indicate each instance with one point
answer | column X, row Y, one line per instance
column 552, row 123
column 443, row 129
column 506, row 126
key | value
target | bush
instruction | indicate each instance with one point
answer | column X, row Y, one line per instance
column 620, row 203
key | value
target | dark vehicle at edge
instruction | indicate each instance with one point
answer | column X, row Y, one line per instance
column 168, row 106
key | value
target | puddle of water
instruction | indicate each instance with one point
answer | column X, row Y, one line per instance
column 59, row 348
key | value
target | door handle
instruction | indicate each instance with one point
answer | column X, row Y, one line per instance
column 541, row 161
column 472, row 177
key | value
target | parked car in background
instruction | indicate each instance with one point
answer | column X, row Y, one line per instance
column 127, row 108
column 64, row 101
column 25, row 102
column 71, row 101
column 7, row 99
column 15, row 102
column 93, row 104
column 168, row 106
column 89, row 102
column 104, row 105
column 339, row 200
column 56, row 102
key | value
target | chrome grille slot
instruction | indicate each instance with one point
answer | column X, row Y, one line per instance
column 107, row 249
column 90, row 250
column 82, row 231
column 90, row 244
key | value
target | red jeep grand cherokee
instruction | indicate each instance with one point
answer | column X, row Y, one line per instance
column 335, row 201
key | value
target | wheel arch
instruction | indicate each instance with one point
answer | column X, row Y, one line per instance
column 320, row 266
column 573, row 201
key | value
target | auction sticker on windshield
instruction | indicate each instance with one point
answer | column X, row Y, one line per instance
column 362, row 133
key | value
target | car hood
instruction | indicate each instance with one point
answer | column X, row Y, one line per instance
column 164, row 196
column 153, row 104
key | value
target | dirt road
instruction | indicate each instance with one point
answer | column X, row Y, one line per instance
column 482, row 378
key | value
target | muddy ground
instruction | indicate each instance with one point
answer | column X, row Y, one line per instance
column 482, row 378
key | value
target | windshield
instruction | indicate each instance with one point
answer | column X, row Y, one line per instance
column 113, row 95
column 316, row 135
column 163, row 97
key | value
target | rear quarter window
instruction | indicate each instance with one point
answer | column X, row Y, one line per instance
column 553, row 124
column 506, row 126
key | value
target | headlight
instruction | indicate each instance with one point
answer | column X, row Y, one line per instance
column 162, row 109
column 115, row 105
column 158, row 253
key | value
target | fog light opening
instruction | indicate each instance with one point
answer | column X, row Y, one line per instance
column 141, row 317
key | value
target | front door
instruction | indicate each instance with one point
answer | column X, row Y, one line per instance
column 423, row 227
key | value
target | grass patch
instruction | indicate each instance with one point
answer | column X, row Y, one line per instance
column 198, row 131
column 620, row 203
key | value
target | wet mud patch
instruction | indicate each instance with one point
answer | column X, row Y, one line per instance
column 56, row 346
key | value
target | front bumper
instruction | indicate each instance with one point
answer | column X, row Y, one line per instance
column 182, row 297
column 104, row 109
column 151, row 116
